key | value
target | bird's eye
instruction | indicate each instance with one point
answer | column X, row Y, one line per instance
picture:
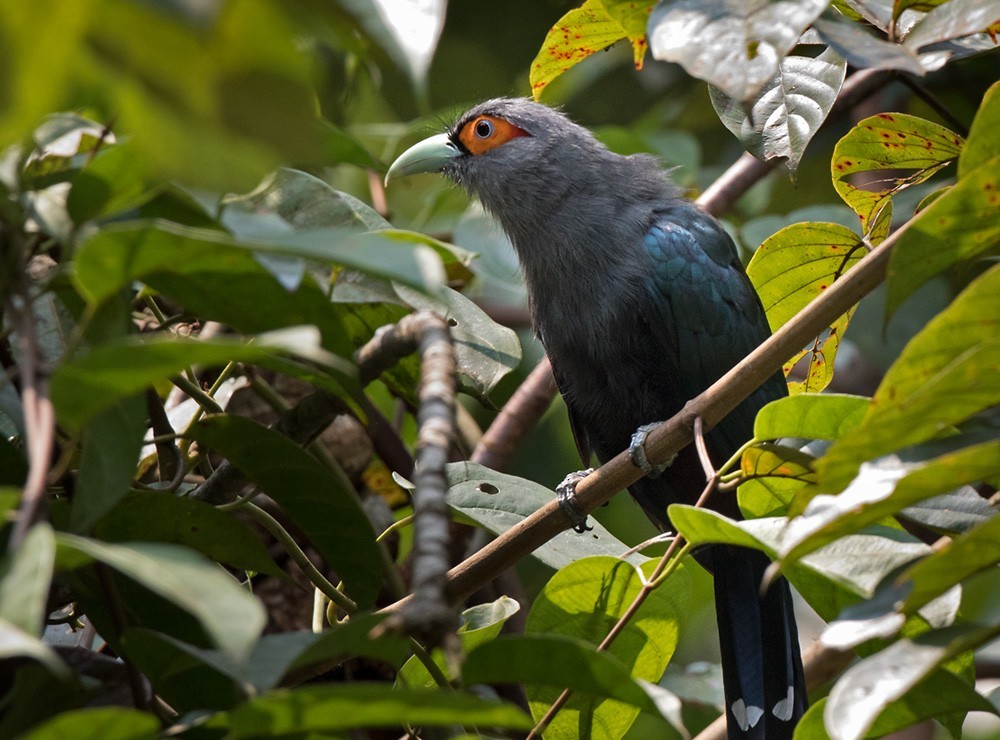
column 484, row 128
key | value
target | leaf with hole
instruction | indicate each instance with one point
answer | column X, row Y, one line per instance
column 792, row 268
column 892, row 151
column 497, row 502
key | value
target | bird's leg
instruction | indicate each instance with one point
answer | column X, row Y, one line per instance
column 637, row 452
column 566, row 495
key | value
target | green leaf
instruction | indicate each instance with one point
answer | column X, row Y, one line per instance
column 944, row 375
column 983, row 143
column 793, row 267
column 962, row 224
column 480, row 623
column 146, row 516
column 784, row 115
column 940, row 694
column 884, row 487
column 868, row 687
column 339, row 707
column 898, row 149
column 771, row 475
column 951, row 513
column 497, row 502
column 319, row 502
column 25, row 577
column 810, row 416
column 89, row 384
column 111, row 182
column 736, row 47
column 584, row 600
column 962, row 557
column 486, row 351
column 557, row 662
column 110, row 445
column 230, row 615
column 98, row 723
column 304, row 202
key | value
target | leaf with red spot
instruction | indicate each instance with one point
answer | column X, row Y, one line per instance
column 789, row 270
column 886, row 153
column 593, row 27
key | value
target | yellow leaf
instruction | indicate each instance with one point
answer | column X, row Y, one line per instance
column 576, row 36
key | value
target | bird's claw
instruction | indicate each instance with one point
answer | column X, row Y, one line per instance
column 637, row 452
column 566, row 496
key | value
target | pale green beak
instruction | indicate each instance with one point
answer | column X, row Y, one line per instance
column 429, row 155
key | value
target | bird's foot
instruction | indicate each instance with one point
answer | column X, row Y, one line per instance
column 566, row 495
column 637, row 452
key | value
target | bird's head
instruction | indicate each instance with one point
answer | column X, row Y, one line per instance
column 510, row 152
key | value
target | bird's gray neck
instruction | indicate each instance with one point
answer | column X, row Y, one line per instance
column 580, row 244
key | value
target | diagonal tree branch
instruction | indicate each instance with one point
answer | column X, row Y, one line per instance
column 675, row 433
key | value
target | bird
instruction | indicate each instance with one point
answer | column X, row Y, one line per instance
column 641, row 302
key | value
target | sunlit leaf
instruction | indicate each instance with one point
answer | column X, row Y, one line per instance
column 898, row 150
column 940, row 694
column 944, row 375
column 480, row 623
column 983, row 143
column 883, row 487
column 868, row 687
column 227, row 612
column 578, row 34
column 771, row 474
column 810, row 416
column 785, row 114
column 736, row 47
column 584, row 600
column 320, row 503
column 557, row 662
column 497, row 502
column 793, row 267
column 960, row 225
column 977, row 550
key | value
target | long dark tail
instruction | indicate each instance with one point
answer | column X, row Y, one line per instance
column 761, row 664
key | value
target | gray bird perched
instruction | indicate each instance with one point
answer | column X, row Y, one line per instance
column 641, row 303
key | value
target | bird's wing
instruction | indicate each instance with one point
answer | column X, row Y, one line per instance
column 708, row 312
column 583, row 444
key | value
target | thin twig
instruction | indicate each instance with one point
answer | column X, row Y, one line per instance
column 39, row 419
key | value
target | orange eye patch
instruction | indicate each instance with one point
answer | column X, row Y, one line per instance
column 484, row 133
